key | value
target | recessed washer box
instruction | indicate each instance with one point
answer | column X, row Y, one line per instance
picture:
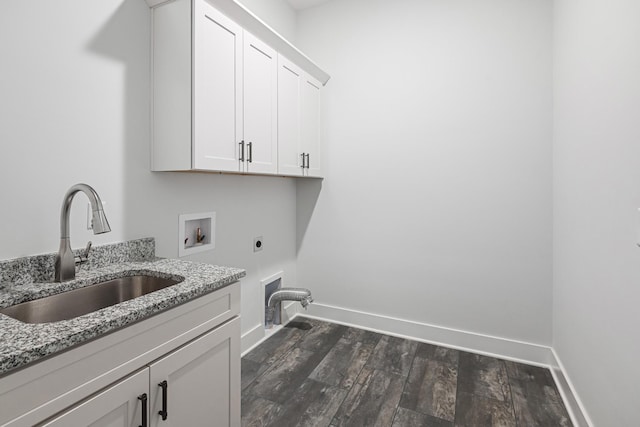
column 196, row 233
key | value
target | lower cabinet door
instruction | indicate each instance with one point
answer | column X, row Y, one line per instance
column 120, row 405
column 199, row 384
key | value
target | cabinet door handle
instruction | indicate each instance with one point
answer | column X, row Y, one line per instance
column 241, row 143
column 303, row 157
column 143, row 399
column 164, row 385
column 307, row 160
column 250, row 146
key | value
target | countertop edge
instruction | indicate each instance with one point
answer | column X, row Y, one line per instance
column 24, row 344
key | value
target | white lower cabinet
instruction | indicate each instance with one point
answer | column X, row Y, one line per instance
column 114, row 380
column 199, row 384
column 196, row 385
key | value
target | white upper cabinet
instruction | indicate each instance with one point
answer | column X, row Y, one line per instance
column 217, row 88
column 219, row 85
column 260, row 106
column 298, row 121
column 310, row 125
column 171, row 92
column 290, row 153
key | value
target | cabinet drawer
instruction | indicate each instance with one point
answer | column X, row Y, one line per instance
column 117, row 405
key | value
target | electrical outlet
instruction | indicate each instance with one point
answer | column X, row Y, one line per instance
column 258, row 244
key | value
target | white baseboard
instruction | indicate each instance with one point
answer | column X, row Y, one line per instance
column 518, row 351
column 572, row 401
column 289, row 312
column 256, row 335
column 252, row 338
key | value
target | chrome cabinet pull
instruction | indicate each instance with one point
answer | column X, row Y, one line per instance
column 143, row 399
column 250, row 146
column 163, row 413
column 302, row 155
column 307, row 160
column 241, row 143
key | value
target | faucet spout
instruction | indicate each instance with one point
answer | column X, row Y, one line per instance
column 65, row 261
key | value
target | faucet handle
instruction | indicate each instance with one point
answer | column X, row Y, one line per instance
column 84, row 257
column 87, row 249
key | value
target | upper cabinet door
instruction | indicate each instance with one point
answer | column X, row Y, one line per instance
column 310, row 125
column 260, row 106
column 217, row 90
column 290, row 153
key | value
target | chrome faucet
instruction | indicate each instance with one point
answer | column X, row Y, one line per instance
column 65, row 260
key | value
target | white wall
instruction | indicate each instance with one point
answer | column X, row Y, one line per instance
column 74, row 107
column 596, row 201
column 437, row 202
column 437, row 206
column 278, row 14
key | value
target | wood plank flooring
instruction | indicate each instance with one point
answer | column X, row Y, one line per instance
column 313, row 373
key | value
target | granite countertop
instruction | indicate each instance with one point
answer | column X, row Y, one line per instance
column 24, row 343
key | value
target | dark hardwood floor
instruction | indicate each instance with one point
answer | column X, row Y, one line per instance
column 313, row 373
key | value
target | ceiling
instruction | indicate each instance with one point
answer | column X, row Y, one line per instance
column 305, row 4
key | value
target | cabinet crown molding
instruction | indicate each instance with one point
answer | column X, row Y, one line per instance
column 256, row 26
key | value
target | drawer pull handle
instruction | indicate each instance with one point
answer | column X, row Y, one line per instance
column 241, row 157
column 165, row 392
column 143, row 399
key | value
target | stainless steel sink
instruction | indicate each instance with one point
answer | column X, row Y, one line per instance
column 77, row 302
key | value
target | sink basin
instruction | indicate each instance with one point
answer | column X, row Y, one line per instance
column 77, row 302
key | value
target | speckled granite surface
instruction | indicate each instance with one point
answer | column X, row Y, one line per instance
column 40, row 268
column 23, row 343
